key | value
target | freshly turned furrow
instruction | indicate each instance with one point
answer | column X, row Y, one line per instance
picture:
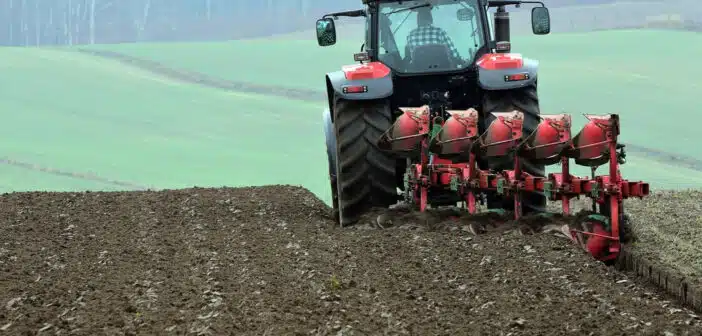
column 670, row 281
column 144, row 263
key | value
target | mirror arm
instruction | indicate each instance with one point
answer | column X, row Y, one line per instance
column 353, row 13
column 534, row 2
column 498, row 3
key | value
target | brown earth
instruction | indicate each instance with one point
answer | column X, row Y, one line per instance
column 668, row 226
column 268, row 260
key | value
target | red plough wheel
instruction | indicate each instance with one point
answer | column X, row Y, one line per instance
column 595, row 145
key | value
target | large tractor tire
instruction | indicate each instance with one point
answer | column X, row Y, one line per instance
column 525, row 100
column 365, row 175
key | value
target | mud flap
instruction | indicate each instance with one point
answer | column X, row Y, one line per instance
column 331, row 143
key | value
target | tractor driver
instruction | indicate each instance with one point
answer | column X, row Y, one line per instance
column 426, row 33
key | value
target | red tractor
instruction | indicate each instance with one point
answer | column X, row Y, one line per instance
column 439, row 112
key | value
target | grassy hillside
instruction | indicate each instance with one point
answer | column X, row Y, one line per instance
column 626, row 72
column 86, row 115
column 82, row 114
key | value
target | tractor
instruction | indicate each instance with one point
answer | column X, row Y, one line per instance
column 438, row 111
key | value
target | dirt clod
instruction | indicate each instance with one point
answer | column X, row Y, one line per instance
column 268, row 260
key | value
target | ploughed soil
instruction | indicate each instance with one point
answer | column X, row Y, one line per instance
column 668, row 228
column 269, row 261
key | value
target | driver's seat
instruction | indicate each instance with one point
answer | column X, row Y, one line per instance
column 429, row 57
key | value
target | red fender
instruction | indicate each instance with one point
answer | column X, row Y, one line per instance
column 370, row 70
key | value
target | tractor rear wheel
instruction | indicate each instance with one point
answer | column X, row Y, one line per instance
column 366, row 176
column 525, row 100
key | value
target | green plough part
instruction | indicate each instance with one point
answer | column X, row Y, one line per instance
column 601, row 219
column 595, row 192
column 434, row 131
column 501, row 186
column 454, row 183
column 548, row 186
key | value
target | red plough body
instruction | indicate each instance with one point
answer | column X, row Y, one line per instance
column 448, row 153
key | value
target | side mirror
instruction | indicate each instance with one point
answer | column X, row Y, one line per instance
column 326, row 32
column 465, row 14
column 540, row 21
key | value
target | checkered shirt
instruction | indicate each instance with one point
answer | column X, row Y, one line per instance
column 424, row 35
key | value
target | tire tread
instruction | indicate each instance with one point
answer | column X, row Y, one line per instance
column 365, row 174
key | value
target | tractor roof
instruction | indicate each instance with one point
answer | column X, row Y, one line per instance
column 365, row 2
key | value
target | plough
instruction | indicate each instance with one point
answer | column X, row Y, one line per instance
column 445, row 150
column 450, row 151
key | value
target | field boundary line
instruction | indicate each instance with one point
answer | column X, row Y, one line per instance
column 197, row 78
column 201, row 79
column 75, row 175
column 686, row 161
column 685, row 290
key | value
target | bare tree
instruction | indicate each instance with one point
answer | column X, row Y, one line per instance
column 71, row 22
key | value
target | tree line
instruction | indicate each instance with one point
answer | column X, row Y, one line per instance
column 73, row 22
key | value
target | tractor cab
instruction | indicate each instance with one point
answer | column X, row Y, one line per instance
column 431, row 46
column 419, row 37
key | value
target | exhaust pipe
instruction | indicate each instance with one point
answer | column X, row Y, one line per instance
column 502, row 38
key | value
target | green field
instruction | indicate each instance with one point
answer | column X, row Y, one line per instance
column 633, row 73
column 78, row 113
column 83, row 114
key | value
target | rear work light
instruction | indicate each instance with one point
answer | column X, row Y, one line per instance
column 516, row 77
column 503, row 47
column 361, row 57
column 354, row 89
